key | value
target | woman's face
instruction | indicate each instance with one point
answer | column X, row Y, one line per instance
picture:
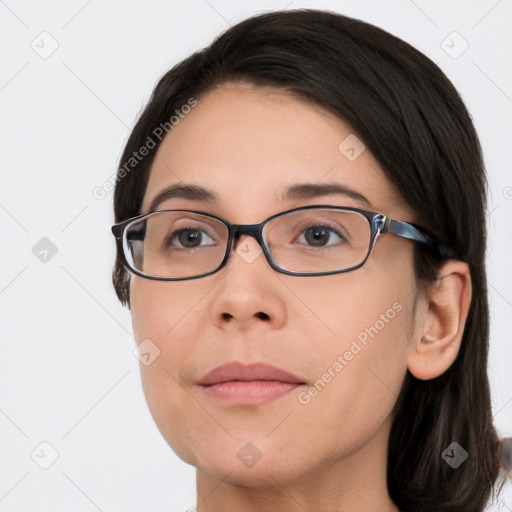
column 346, row 337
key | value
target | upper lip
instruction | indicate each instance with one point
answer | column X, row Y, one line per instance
column 256, row 371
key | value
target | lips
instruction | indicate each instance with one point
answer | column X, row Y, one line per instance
column 257, row 383
column 253, row 372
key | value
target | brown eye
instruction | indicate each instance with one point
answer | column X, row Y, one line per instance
column 320, row 235
column 188, row 238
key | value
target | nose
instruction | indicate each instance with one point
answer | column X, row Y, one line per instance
column 248, row 295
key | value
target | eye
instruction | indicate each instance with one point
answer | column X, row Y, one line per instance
column 189, row 238
column 321, row 235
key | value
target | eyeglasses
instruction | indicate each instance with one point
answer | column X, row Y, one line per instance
column 173, row 245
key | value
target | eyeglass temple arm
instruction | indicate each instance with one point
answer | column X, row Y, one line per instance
column 416, row 234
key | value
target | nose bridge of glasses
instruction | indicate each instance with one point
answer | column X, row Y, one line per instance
column 253, row 230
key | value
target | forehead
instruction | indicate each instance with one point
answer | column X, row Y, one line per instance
column 249, row 144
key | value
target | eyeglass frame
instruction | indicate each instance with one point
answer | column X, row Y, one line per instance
column 379, row 224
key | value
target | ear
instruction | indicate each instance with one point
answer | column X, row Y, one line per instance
column 442, row 321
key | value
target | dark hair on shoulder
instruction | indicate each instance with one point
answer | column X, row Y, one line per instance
column 412, row 119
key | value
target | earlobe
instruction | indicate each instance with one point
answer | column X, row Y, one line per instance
column 442, row 321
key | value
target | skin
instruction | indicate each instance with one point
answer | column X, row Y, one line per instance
column 248, row 144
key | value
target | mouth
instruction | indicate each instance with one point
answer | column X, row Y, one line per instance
column 254, row 383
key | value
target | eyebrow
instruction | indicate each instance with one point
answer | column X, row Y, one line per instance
column 312, row 190
column 179, row 191
column 294, row 192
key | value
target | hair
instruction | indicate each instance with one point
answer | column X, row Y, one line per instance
column 412, row 119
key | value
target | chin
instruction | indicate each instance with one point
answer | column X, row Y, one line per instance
column 261, row 475
column 244, row 463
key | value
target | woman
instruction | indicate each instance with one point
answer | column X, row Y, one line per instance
column 308, row 291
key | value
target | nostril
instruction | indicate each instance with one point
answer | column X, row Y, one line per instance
column 260, row 315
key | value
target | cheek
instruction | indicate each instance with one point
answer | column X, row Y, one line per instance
column 361, row 370
column 167, row 314
column 360, row 355
column 163, row 311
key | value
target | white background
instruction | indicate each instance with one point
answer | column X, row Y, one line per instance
column 67, row 372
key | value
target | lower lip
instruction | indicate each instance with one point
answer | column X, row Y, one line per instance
column 253, row 391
